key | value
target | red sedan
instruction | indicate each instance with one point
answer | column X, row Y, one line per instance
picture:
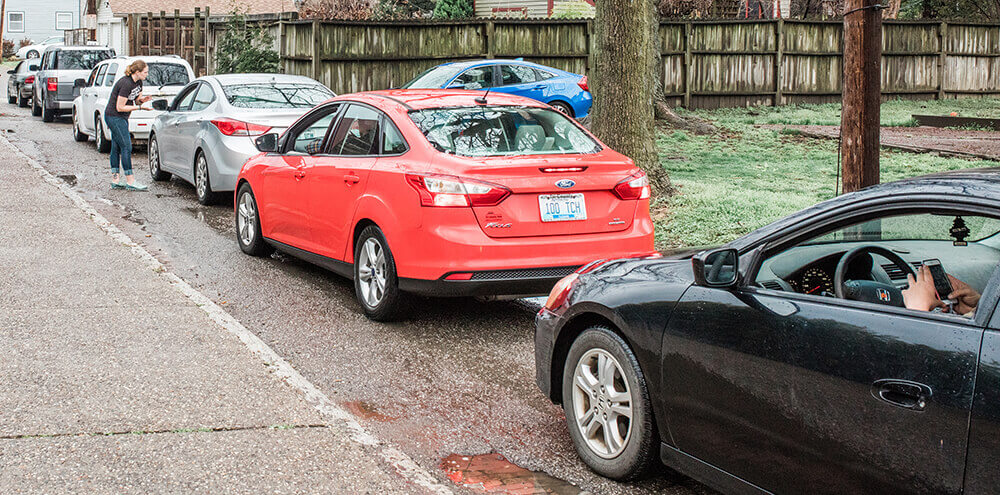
column 442, row 193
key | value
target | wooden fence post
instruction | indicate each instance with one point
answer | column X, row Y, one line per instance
column 490, row 45
column 177, row 31
column 205, row 40
column 281, row 44
column 197, row 42
column 942, row 58
column 589, row 41
column 778, row 60
column 163, row 32
column 149, row 33
column 315, row 50
column 688, row 76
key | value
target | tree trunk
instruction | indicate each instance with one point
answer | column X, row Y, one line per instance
column 862, row 95
column 623, row 83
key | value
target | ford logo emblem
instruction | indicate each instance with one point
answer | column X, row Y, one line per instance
column 565, row 183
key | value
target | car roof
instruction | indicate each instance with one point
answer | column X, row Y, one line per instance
column 225, row 79
column 76, row 47
column 420, row 99
column 490, row 61
column 149, row 58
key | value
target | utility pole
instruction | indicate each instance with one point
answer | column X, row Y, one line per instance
column 3, row 17
column 862, row 93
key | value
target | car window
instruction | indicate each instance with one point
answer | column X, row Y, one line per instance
column 310, row 139
column 516, row 74
column 204, row 98
column 435, row 77
column 276, row 95
column 543, row 74
column 111, row 75
column 476, row 78
column 392, row 141
column 79, row 59
column 502, row 130
column 98, row 78
column 167, row 74
column 356, row 132
column 187, row 97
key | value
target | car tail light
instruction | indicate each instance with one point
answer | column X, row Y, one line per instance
column 29, row 80
column 233, row 127
column 583, row 84
column 52, row 84
column 450, row 191
column 560, row 292
column 635, row 186
column 557, row 170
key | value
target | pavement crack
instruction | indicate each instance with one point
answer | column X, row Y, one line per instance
column 159, row 432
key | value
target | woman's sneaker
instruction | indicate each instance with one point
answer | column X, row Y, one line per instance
column 136, row 187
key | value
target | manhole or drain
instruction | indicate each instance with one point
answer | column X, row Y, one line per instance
column 492, row 473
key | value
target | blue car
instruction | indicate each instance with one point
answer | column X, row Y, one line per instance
column 565, row 91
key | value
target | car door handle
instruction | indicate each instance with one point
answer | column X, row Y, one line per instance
column 352, row 179
column 538, row 87
column 902, row 393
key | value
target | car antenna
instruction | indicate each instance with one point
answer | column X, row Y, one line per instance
column 482, row 99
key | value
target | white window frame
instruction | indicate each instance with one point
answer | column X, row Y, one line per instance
column 69, row 18
column 10, row 22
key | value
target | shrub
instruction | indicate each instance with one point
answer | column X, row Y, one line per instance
column 244, row 48
column 336, row 9
column 453, row 9
column 8, row 48
column 577, row 9
column 24, row 42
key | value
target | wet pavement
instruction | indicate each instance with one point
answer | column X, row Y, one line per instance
column 456, row 378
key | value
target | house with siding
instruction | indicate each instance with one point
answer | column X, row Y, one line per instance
column 36, row 21
column 110, row 17
column 516, row 8
column 772, row 9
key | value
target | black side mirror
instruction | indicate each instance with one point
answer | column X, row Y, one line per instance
column 32, row 68
column 80, row 83
column 717, row 268
column 268, row 143
column 10, row 71
column 160, row 105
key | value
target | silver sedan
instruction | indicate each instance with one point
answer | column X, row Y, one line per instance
column 207, row 133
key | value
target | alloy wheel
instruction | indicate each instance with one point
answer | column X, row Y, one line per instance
column 201, row 176
column 602, row 403
column 246, row 218
column 154, row 158
column 371, row 272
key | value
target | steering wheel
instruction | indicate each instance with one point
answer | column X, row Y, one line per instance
column 868, row 290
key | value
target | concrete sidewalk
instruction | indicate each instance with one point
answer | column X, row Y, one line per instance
column 113, row 381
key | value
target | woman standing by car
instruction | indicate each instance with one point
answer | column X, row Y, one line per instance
column 126, row 96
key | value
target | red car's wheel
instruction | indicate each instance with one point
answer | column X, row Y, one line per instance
column 375, row 280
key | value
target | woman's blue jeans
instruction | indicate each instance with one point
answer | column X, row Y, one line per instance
column 121, row 144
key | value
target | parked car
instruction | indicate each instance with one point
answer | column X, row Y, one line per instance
column 21, row 81
column 35, row 50
column 565, row 91
column 206, row 134
column 61, row 66
column 443, row 193
column 167, row 76
column 786, row 362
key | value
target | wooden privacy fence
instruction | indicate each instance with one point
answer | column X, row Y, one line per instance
column 705, row 64
column 171, row 34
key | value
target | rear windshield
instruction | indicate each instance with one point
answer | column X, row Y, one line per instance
column 435, row 77
column 502, row 130
column 166, row 74
column 79, row 59
column 276, row 95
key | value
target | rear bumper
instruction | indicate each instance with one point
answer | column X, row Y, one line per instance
column 139, row 128
column 546, row 324
column 531, row 281
column 226, row 156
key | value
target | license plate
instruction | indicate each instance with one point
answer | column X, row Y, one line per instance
column 562, row 207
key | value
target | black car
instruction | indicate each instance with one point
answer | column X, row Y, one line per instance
column 786, row 361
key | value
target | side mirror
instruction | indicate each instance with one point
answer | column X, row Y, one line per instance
column 717, row 268
column 80, row 83
column 32, row 68
column 160, row 105
column 268, row 143
column 10, row 71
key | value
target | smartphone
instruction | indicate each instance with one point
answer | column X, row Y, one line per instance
column 941, row 282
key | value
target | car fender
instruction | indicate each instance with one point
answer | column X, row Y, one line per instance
column 371, row 207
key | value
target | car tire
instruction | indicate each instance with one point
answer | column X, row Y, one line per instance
column 36, row 110
column 31, row 54
column 629, row 454
column 11, row 98
column 153, row 150
column 77, row 135
column 248, row 233
column 563, row 108
column 103, row 144
column 48, row 115
column 376, row 284
column 22, row 101
column 203, row 181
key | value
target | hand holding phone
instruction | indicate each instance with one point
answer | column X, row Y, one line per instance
column 941, row 283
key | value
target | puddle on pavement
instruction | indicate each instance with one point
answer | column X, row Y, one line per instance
column 69, row 179
column 219, row 218
column 492, row 473
column 366, row 410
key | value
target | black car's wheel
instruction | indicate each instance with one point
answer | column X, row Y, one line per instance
column 31, row 54
column 22, row 101
column 48, row 114
column 103, row 145
column 375, row 282
column 11, row 97
column 154, row 160
column 77, row 135
column 564, row 108
column 607, row 405
column 36, row 109
column 202, row 181
column 248, row 224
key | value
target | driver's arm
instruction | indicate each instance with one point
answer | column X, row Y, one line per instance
column 966, row 298
column 921, row 294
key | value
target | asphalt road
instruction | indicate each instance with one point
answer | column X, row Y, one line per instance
column 456, row 378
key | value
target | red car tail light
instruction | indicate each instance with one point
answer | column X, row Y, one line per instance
column 635, row 186
column 52, row 84
column 233, row 127
column 450, row 191
column 560, row 291
column 29, row 80
column 556, row 170
column 583, row 84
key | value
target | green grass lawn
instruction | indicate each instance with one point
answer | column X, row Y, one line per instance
column 747, row 177
column 894, row 113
